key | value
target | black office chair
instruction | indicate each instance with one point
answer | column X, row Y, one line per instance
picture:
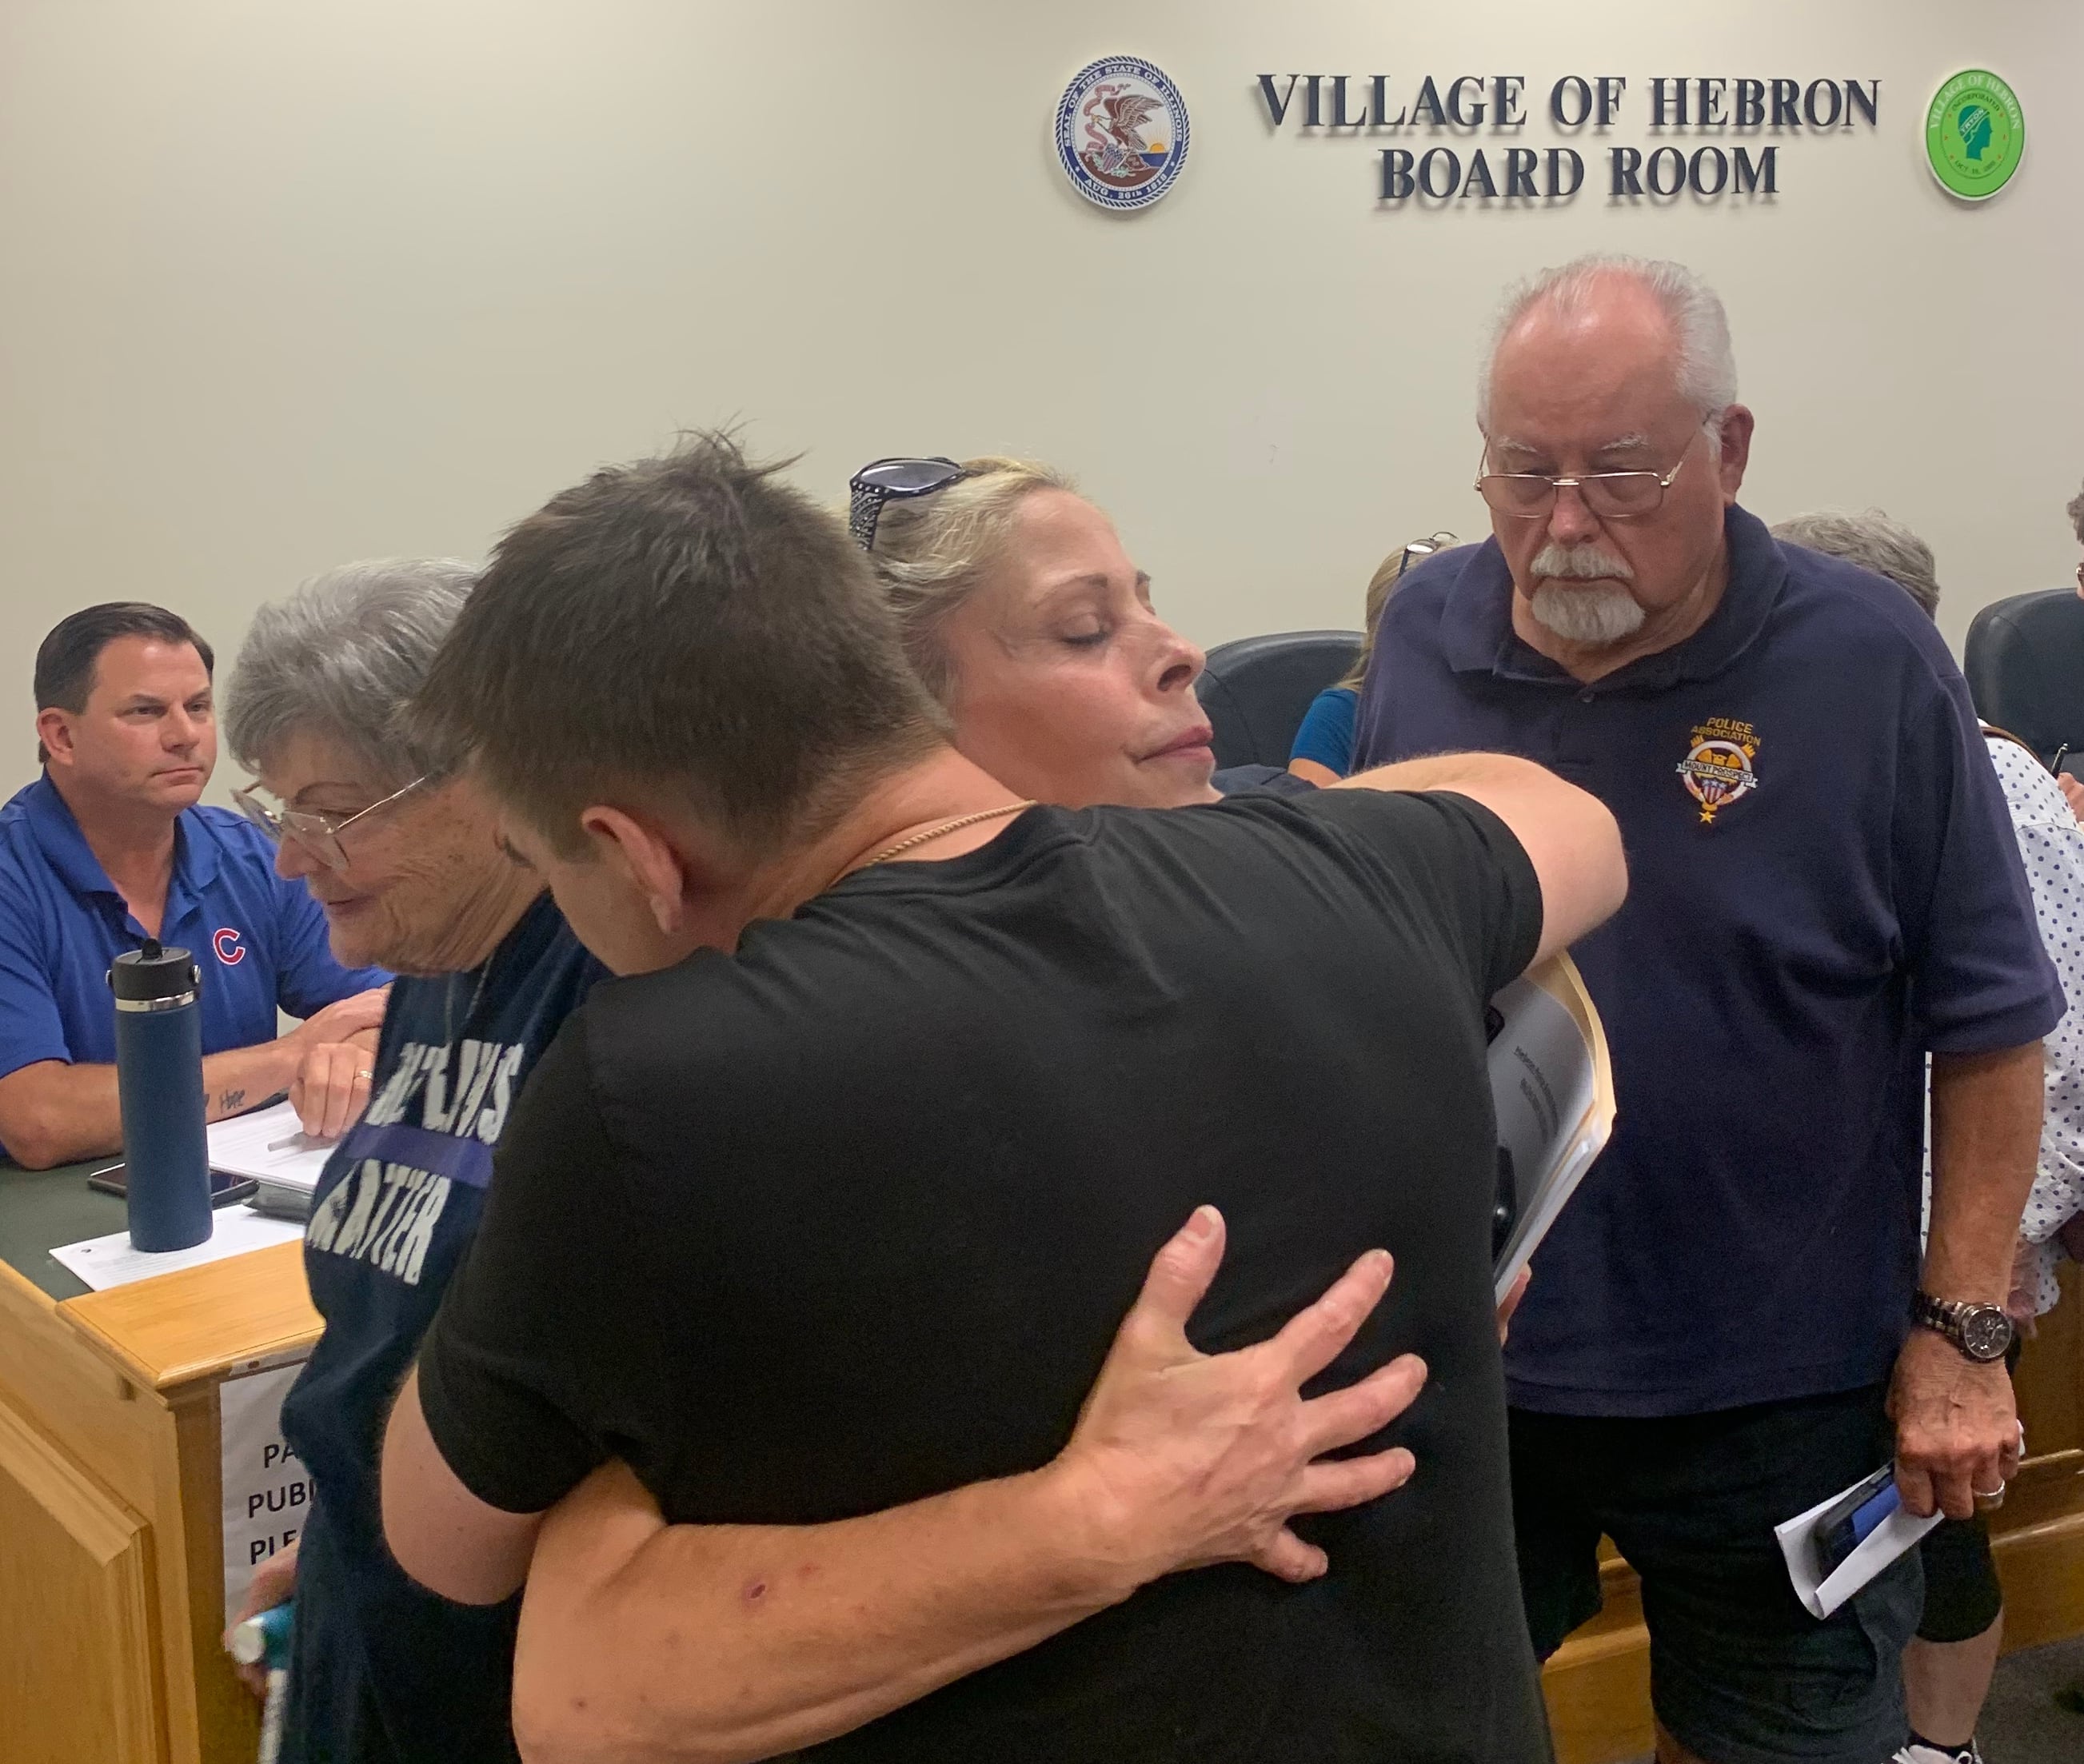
column 2025, row 664
column 1257, row 689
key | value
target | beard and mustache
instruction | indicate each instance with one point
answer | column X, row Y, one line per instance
column 1598, row 616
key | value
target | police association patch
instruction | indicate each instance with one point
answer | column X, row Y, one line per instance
column 1717, row 767
column 1121, row 133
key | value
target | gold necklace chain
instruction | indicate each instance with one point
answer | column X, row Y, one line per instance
column 960, row 821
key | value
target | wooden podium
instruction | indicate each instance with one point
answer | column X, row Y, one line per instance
column 111, row 1588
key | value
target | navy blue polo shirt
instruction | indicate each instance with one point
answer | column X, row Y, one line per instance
column 259, row 939
column 1824, row 885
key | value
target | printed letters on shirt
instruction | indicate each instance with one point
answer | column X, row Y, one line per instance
column 384, row 1210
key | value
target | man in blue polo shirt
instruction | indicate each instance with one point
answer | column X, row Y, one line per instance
column 109, row 848
column 1720, row 1331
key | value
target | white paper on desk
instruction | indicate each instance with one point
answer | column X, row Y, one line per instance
column 1881, row 1546
column 270, row 1146
column 267, row 1490
column 105, row 1262
column 1552, row 1090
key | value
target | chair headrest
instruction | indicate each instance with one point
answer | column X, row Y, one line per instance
column 2025, row 665
column 1257, row 690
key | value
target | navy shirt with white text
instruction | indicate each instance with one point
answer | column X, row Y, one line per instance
column 382, row 1671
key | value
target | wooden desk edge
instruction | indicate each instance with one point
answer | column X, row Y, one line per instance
column 19, row 1290
column 198, row 1322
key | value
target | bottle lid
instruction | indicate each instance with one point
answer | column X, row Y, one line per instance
column 264, row 1640
column 153, row 973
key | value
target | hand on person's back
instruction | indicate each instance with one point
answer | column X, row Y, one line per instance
column 1184, row 1459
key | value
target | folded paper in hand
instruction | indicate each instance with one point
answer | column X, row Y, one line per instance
column 1823, row 1594
column 1552, row 1089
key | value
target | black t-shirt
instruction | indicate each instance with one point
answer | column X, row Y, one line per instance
column 850, row 1218
column 1234, row 780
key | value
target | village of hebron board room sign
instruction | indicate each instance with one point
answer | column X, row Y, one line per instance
column 1705, row 136
column 1470, row 140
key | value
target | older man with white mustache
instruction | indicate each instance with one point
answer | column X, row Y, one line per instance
column 1732, row 1322
column 1597, row 617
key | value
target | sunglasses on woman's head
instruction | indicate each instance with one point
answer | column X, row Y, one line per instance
column 1422, row 548
column 884, row 480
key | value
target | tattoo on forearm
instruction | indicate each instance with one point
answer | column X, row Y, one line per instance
column 230, row 1100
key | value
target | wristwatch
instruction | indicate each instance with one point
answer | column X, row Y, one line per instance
column 1983, row 1332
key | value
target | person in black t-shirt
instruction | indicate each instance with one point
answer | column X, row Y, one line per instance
column 826, row 1238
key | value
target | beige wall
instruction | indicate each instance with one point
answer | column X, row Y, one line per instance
column 293, row 281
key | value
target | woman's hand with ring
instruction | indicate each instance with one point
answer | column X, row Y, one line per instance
column 331, row 1089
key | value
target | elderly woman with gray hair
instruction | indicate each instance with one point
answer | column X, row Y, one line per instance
column 405, row 857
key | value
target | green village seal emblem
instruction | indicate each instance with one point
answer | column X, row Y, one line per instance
column 1975, row 135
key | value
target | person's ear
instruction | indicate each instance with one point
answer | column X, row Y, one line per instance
column 54, row 730
column 1737, row 423
column 649, row 865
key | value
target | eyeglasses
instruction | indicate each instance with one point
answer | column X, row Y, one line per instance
column 884, row 480
column 1418, row 549
column 318, row 832
column 1612, row 496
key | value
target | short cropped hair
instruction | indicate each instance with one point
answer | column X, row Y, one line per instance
column 1873, row 541
column 1700, row 324
column 693, row 627
column 932, row 552
column 66, row 659
column 2075, row 511
column 341, row 658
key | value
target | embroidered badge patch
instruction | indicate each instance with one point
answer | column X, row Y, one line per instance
column 1717, row 768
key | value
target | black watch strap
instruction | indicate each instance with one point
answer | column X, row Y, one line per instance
column 1982, row 1332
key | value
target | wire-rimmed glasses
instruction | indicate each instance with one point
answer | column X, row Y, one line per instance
column 317, row 831
column 1612, row 496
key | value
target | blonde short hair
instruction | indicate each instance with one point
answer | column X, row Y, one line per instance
column 932, row 552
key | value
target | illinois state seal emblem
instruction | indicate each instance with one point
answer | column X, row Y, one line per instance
column 1121, row 133
column 1717, row 767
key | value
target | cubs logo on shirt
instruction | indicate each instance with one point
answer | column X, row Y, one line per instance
column 1717, row 770
column 229, row 950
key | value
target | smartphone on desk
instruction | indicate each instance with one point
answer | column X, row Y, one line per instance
column 1845, row 1524
column 224, row 1187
